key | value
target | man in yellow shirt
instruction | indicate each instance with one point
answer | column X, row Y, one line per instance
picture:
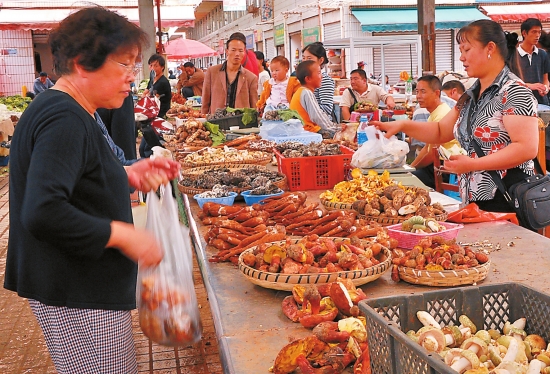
column 428, row 95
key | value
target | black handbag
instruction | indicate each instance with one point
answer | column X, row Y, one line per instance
column 529, row 198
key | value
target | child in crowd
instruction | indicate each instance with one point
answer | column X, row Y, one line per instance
column 305, row 103
column 278, row 90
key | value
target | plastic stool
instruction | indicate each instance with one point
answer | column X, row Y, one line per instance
column 455, row 195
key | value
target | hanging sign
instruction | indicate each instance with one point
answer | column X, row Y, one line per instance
column 234, row 5
column 220, row 47
column 266, row 11
column 250, row 41
column 258, row 35
column 279, row 32
column 310, row 35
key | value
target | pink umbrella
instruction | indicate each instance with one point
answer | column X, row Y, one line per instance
column 180, row 49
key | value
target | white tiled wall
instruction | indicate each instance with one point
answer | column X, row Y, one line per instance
column 18, row 69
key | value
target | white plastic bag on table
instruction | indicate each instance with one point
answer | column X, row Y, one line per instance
column 378, row 152
column 166, row 300
column 292, row 127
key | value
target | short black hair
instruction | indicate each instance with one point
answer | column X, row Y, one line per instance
column 188, row 64
column 157, row 58
column 529, row 23
column 318, row 50
column 361, row 72
column 449, row 85
column 236, row 36
column 303, row 70
column 432, row 80
column 43, row 74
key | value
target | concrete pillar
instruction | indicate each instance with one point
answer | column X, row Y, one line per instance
column 426, row 28
column 147, row 24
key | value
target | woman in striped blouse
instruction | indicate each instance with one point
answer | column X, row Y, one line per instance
column 324, row 95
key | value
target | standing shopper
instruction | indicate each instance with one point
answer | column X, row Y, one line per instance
column 73, row 248
column 229, row 84
column 325, row 94
column 498, row 113
column 159, row 84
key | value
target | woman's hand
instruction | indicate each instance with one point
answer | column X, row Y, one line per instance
column 138, row 245
column 459, row 164
column 391, row 128
column 148, row 174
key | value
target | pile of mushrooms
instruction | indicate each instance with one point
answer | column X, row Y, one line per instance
column 471, row 351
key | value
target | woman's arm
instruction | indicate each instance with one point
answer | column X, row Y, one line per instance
column 326, row 94
column 427, row 132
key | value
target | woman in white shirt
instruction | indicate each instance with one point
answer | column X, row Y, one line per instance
column 263, row 71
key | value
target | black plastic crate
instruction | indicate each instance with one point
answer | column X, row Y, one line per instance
column 237, row 120
column 489, row 307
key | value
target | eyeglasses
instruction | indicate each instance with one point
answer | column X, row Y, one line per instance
column 130, row 69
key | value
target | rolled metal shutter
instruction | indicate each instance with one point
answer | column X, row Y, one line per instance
column 331, row 31
column 443, row 51
column 270, row 48
column 396, row 59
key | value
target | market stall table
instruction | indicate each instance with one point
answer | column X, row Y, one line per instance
column 252, row 328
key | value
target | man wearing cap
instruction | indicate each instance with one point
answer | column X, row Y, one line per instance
column 192, row 86
column 42, row 83
column 229, row 84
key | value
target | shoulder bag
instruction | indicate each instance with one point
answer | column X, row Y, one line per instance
column 530, row 198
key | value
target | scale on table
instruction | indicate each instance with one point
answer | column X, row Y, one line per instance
column 401, row 170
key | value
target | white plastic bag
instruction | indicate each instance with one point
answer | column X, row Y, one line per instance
column 292, row 127
column 166, row 300
column 378, row 152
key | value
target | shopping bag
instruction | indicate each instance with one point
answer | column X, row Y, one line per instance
column 166, row 299
column 378, row 152
column 472, row 214
column 148, row 106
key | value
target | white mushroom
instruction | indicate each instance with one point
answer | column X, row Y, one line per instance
column 468, row 360
column 474, row 345
column 427, row 320
column 433, row 340
column 535, row 366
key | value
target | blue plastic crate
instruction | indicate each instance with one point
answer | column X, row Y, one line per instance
column 302, row 138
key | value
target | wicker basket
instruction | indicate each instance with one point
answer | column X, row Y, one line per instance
column 285, row 282
column 196, row 172
column 329, row 205
column 445, row 278
column 263, row 160
column 282, row 184
column 387, row 221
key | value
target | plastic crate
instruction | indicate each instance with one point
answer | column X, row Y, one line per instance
column 302, row 138
column 227, row 122
column 489, row 307
column 316, row 172
column 408, row 239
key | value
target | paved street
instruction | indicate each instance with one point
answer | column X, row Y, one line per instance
column 22, row 345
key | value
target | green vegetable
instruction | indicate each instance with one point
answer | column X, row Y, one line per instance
column 287, row 114
column 215, row 134
column 249, row 114
column 15, row 103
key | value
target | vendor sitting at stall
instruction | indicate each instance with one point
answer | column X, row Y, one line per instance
column 361, row 91
column 192, row 85
column 428, row 95
column 305, row 103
